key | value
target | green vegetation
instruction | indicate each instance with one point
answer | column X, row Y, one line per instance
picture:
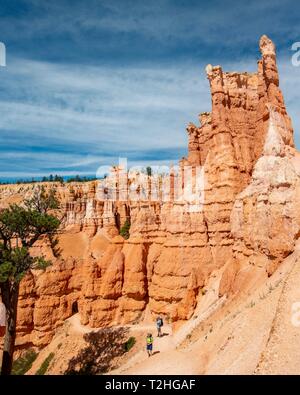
column 32, row 181
column 20, row 228
column 45, row 365
column 149, row 171
column 24, row 363
column 124, row 231
column 52, row 178
column 130, row 343
column 81, row 179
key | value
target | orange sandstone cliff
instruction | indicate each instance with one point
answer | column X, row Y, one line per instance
column 245, row 224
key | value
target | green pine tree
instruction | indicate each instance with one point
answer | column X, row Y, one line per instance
column 20, row 228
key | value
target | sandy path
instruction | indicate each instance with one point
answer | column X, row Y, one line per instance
column 77, row 326
column 282, row 352
column 173, row 362
column 167, row 357
column 160, row 345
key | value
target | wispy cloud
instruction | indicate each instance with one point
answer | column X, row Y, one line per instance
column 123, row 31
column 85, row 84
column 110, row 110
column 56, row 117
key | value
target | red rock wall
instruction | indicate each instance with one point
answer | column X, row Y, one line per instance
column 249, row 218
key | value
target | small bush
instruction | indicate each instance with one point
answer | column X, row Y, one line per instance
column 124, row 231
column 130, row 343
column 24, row 363
column 45, row 365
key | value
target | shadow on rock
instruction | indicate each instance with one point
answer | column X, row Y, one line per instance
column 99, row 356
column 164, row 334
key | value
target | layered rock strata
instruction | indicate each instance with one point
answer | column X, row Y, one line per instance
column 231, row 204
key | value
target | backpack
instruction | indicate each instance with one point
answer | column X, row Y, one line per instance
column 160, row 322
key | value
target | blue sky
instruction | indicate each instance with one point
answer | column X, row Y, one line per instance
column 89, row 81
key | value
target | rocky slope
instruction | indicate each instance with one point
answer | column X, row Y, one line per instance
column 229, row 215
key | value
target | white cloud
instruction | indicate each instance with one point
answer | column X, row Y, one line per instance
column 107, row 111
column 139, row 107
column 165, row 20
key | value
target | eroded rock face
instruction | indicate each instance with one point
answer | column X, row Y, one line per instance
column 246, row 221
column 265, row 218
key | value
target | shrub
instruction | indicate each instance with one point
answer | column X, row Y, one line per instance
column 45, row 365
column 124, row 231
column 24, row 363
column 149, row 171
column 130, row 343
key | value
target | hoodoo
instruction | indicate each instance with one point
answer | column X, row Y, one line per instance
column 177, row 260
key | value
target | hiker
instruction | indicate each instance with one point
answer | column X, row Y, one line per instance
column 159, row 324
column 149, row 344
column 2, row 318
